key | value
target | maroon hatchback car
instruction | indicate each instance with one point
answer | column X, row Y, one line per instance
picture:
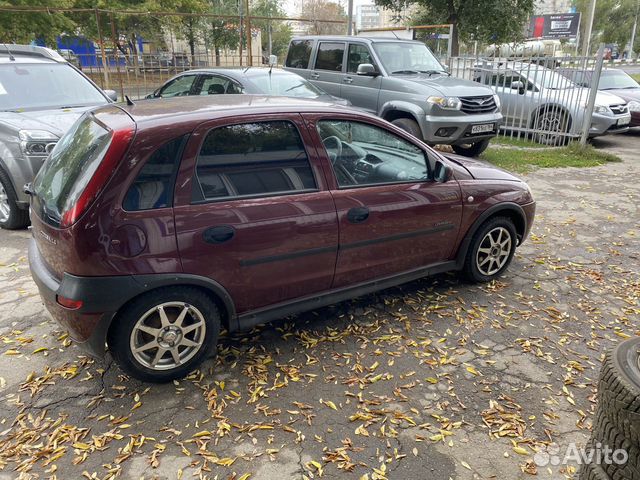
column 156, row 224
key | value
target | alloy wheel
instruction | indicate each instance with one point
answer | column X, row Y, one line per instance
column 5, row 208
column 168, row 335
column 494, row 251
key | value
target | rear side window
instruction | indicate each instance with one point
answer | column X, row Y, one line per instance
column 252, row 159
column 299, row 54
column 68, row 170
column 330, row 56
column 153, row 187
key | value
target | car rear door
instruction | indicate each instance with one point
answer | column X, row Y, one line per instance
column 253, row 211
column 328, row 66
column 392, row 216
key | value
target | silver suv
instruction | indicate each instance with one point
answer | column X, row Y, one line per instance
column 41, row 96
column 402, row 82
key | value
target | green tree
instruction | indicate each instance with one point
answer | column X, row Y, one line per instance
column 275, row 34
column 190, row 28
column 27, row 27
column 491, row 21
column 320, row 10
column 222, row 32
column 612, row 22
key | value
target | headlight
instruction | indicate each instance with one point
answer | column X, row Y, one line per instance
column 602, row 109
column 496, row 98
column 447, row 103
column 37, row 142
column 634, row 106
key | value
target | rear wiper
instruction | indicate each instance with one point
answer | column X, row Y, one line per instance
column 71, row 106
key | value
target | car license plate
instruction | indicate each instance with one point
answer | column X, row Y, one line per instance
column 624, row 121
column 483, row 128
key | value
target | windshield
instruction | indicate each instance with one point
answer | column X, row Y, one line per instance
column 286, row 85
column 548, row 79
column 401, row 57
column 610, row 79
column 43, row 86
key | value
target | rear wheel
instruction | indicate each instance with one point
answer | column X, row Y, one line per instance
column 165, row 334
column 408, row 125
column 12, row 217
column 471, row 149
column 491, row 250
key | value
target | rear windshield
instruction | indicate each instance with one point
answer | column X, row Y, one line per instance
column 67, row 171
column 286, row 85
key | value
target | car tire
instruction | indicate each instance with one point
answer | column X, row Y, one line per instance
column 619, row 389
column 605, row 434
column 409, row 125
column 12, row 217
column 549, row 124
column 491, row 250
column 471, row 149
column 173, row 348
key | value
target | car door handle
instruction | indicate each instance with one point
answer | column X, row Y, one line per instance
column 220, row 234
column 358, row 214
column 347, row 80
column 314, row 76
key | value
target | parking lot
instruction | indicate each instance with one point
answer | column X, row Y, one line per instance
column 438, row 379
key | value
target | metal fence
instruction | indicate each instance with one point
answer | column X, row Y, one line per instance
column 549, row 100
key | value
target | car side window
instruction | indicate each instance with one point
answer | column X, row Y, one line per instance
column 329, row 56
column 358, row 54
column 153, row 186
column 364, row 154
column 217, row 85
column 178, row 87
column 299, row 54
column 252, row 159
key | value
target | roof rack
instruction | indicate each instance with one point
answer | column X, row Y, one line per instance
column 8, row 49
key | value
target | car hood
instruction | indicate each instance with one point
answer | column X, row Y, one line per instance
column 445, row 85
column 56, row 121
column 481, row 170
column 626, row 94
column 608, row 98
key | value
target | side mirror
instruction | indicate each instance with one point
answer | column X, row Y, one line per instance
column 273, row 60
column 442, row 173
column 518, row 86
column 367, row 70
column 112, row 95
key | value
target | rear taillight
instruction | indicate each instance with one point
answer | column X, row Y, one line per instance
column 117, row 148
column 69, row 303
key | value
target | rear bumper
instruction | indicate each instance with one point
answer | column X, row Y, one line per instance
column 86, row 326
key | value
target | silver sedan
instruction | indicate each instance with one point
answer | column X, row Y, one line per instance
column 542, row 102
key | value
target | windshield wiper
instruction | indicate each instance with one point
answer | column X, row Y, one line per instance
column 435, row 72
column 415, row 72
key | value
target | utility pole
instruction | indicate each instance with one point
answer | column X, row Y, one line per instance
column 587, row 32
column 350, row 18
column 633, row 32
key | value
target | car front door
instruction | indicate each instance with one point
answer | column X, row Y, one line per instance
column 253, row 211
column 516, row 102
column 393, row 217
column 361, row 90
column 328, row 67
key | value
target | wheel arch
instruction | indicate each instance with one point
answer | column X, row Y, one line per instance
column 510, row 210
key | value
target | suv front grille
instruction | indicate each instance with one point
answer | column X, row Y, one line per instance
column 472, row 105
column 619, row 109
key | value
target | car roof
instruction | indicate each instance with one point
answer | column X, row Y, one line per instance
column 210, row 107
column 28, row 54
column 346, row 38
column 240, row 72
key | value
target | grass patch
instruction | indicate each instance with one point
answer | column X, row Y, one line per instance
column 515, row 142
column 522, row 161
column 636, row 77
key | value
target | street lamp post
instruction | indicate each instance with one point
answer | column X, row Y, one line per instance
column 587, row 33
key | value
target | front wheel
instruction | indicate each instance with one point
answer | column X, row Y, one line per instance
column 471, row 149
column 491, row 250
column 12, row 217
column 409, row 125
column 165, row 334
